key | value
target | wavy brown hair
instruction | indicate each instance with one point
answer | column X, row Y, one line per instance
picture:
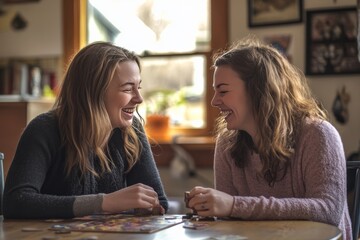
column 281, row 100
column 83, row 120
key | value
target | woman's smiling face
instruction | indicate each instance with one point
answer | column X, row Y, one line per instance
column 232, row 99
column 123, row 94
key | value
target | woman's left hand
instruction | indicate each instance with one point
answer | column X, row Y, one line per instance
column 210, row 202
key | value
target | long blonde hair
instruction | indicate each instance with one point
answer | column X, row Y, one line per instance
column 84, row 124
column 281, row 100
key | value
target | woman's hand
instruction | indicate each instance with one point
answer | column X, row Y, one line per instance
column 135, row 196
column 210, row 202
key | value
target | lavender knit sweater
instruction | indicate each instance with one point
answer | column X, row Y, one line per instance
column 314, row 187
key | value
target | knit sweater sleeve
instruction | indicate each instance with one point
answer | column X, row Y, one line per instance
column 318, row 172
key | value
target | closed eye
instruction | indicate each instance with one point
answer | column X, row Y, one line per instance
column 132, row 89
column 222, row 93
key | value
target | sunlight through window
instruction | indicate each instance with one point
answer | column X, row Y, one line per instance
column 172, row 37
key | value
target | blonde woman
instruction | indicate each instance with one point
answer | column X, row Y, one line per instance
column 276, row 155
column 89, row 154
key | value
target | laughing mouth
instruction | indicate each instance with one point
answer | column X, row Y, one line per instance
column 225, row 113
column 129, row 110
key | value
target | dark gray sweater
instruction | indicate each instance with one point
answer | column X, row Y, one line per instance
column 37, row 186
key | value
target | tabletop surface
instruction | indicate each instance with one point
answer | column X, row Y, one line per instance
column 214, row 230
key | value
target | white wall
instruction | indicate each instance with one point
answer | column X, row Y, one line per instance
column 43, row 35
column 323, row 87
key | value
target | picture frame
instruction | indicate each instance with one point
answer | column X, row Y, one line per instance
column 267, row 13
column 331, row 42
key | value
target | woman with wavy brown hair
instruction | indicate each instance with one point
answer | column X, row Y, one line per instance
column 276, row 155
column 89, row 154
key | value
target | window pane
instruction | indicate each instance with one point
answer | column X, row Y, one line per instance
column 151, row 26
column 177, row 84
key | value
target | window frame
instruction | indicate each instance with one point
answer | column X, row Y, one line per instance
column 74, row 38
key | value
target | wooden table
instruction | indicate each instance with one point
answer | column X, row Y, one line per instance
column 277, row 230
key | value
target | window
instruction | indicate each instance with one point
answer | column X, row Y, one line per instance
column 151, row 26
column 175, row 40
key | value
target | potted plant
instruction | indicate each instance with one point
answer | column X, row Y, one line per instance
column 158, row 103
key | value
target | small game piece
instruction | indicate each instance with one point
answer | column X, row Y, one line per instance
column 195, row 226
column 187, row 198
column 206, row 218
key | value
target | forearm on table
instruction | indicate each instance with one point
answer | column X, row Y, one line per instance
column 262, row 208
column 88, row 204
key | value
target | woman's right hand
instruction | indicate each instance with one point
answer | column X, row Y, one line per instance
column 210, row 202
column 135, row 196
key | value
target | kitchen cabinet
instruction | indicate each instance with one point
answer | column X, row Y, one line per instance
column 14, row 116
